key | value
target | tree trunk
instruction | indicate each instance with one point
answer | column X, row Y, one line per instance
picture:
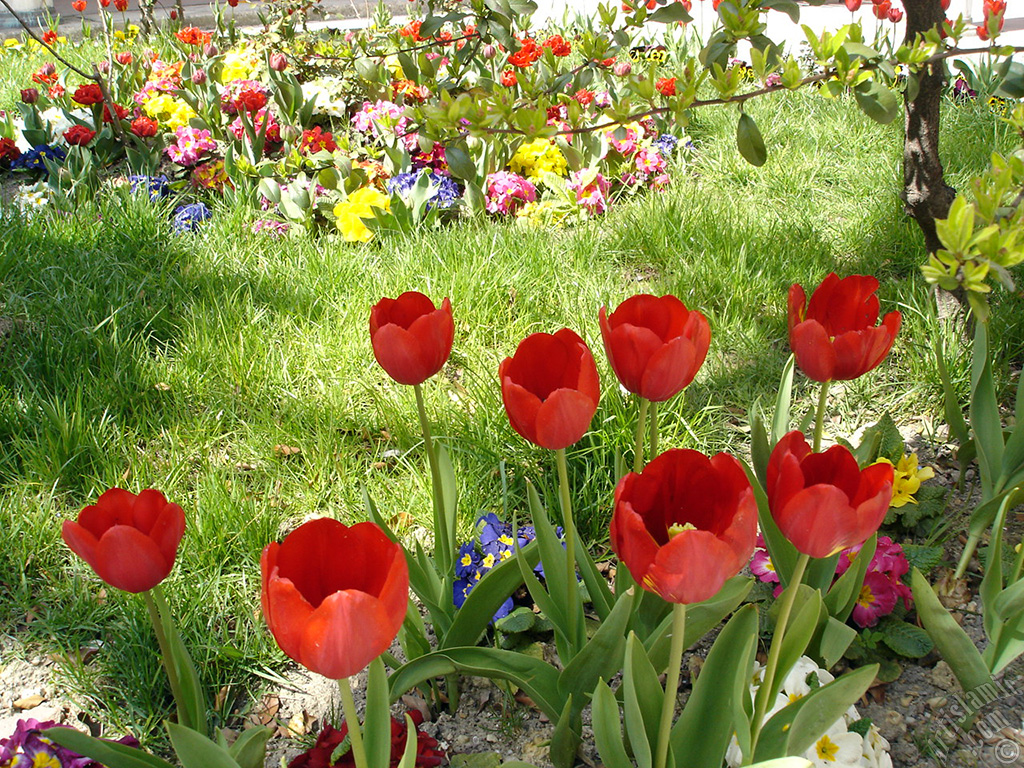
column 925, row 193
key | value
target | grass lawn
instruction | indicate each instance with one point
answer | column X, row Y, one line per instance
column 135, row 357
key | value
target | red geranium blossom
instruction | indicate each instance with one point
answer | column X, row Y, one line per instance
column 316, row 140
column 558, row 46
column 122, row 113
column 8, row 149
column 50, row 37
column 508, row 78
column 193, row 36
column 527, row 54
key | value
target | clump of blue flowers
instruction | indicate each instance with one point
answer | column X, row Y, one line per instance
column 444, row 191
column 187, row 218
column 494, row 543
column 34, row 159
column 157, row 186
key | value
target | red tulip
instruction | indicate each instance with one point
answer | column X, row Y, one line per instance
column 411, row 339
column 853, row 5
column 130, row 541
column 823, row 502
column 685, row 524
column 835, row 336
column 895, row 15
column 655, row 345
column 334, row 596
column 881, row 9
column 550, row 388
column 78, row 135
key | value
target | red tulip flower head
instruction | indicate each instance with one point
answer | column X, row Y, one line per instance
column 835, row 336
column 655, row 345
column 823, row 502
column 130, row 541
column 685, row 524
column 550, row 388
column 411, row 338
column 334, row 596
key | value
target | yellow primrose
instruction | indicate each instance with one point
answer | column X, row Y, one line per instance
column 351, row 211
column 907, row 479
column 238, row 65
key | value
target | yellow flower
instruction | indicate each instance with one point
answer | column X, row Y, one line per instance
column 907, row 479
column 172, row 112
column 537, row 156
column 237, row 65
column 356, row 207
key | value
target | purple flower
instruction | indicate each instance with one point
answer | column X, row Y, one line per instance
column 28, row 748
column 271, row 228
column 156, row 186
column 187, row 218
column 444, row 191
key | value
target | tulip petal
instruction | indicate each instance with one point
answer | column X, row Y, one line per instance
column 113, row 507
column 564, row 418
column 81, row 541
column 398, row 352
column 522, row 407
column 630, row 538
column 128, row 559
column 167, row 530
column 434, row 334
column 286, row 613
column 629, row 347
column 348, row 631
column 669, row 370
column 147, row 508
column 797, row 306
column 836, row 466
column 543, row 363
column 819, row 521
column 813, row 350
column 692, row 567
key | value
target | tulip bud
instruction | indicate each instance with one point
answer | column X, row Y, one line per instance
column 199, row 76
column 103, row 67
column 124, row 58
column 622, row 69
column 210, row 50
column 47, row 69
column 895, row 15
column 174, row 15
column 278, row 62
column 489, row 52
column 290, row 133
column 30, row 95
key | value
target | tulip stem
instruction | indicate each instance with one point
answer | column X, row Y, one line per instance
column 771, row 668
column 442, row 535
column 675, row 663
column 569, row 530
column 166, row 658
column 654, row 430
column 355, row 733
column 641, row 429
column 819, row 421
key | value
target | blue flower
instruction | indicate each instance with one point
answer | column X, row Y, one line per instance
column 468, row 561
column 462, row 588
column 504, row 610
column 33, row 159
column 187, row 218
column 444, row 194
column 666, row 143
column 156, row 185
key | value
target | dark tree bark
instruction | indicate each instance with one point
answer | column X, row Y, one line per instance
column 925, row 193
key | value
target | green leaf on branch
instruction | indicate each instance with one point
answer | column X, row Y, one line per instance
column 674, row 12
column 877, row 101
column 788, row 7
column 750, row 142
column 1012, row 84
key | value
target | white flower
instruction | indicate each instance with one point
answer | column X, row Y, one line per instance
column 837, row 748
column 32, row 200
column 875, row 750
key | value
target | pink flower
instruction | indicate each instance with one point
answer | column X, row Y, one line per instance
column 650, row 161
column 506, row 192
column 762, row 565
column 190, row 145
column 877, row 599
column 273, row 131
column 591, row 190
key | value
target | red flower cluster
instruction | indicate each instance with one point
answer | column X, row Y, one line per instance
column 666, row 86
column 8, row 149
column 50, row 36
column 410, row 91
column 428, row 753
column 45, row 75
column 834, row 336
column 412, row 30
column 995, row 11
column 316, row 140
column 558, row 46
column 527, row 54
column 193, row 36
column 124, row 58
column 144, row 127
column 87, row 94
column 250, row 100
column 584, row 97
column 130, row 541
column 884, row 9
column 78, row 135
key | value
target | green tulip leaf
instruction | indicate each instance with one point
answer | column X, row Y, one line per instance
column 601, row 596
column 450, row 495
column 642, row 697
column 109, row 753
column 785, row 762
column 535, row 676
column 796, row 727
column 842, row 596
column 953, row 643
column 1009, row 602
column 701, row 618
column 566, row 739
column 750, row 142
column 192, row 709
column 715, row 709
column 782, row 553
column 411, row 742
column 196, row 751
column 377, row 720
column 984, row 413
column 600, row 658
column 497, row 585
column 250, row 748
column 607, row 729
column 833, row 641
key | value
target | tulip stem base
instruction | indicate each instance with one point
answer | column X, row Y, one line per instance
column 675, row 663
column 572, row 597
column 165, row 653
column 641, row 430
column 819, row 420
column 355, row 731
column 771, row 668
